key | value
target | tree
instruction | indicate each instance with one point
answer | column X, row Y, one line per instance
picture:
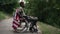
column 47, row 11
column 8, row 5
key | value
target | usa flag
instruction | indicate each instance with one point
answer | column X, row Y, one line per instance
column 16, row 20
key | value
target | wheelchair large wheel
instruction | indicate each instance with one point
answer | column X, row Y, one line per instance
column 22, row 28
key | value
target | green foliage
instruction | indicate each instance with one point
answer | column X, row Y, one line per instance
column 8, row 6
column 48, row 29
column 2, row 15
column 47, row 11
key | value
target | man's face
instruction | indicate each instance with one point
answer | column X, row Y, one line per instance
column 22, row 4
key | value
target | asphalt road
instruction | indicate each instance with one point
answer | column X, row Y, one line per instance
column 5, row 27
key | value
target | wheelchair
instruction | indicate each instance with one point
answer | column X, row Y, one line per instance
column 30, row 24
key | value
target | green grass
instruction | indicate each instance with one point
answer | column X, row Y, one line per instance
column 2, row 15
column 47, row 29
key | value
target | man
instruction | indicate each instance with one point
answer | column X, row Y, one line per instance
column 18, row 17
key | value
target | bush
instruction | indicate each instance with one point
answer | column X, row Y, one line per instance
column 47, row 11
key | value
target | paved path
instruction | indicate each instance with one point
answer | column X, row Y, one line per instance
column 5, row 27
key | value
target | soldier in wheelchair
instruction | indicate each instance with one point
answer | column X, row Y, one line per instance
column 27, row 19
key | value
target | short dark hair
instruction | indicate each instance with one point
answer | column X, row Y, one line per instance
column 22, row 4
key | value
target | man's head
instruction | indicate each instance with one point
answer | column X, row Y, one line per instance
column 22, row 4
